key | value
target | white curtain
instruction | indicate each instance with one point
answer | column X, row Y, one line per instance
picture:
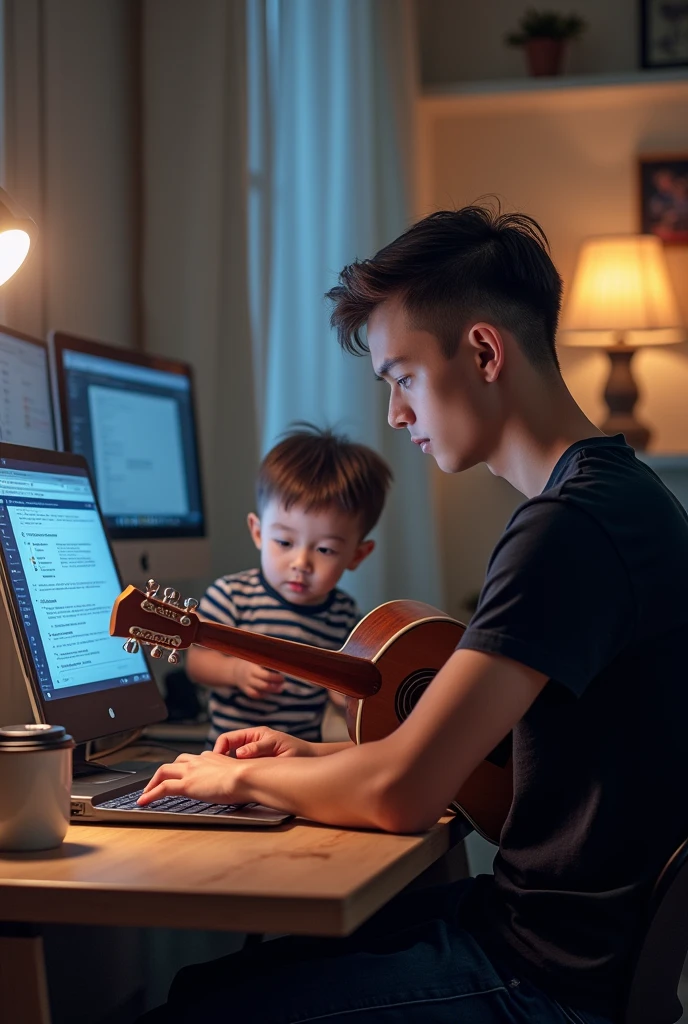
column 331, row 94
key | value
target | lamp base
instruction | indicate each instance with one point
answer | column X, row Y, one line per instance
column 621, row 394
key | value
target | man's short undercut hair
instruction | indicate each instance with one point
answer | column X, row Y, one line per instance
column 317, row 469
column 455, row 268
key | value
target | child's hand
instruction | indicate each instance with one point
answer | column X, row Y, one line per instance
column 261, row 742
column 255, row 681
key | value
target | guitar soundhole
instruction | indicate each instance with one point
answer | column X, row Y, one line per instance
column 411, row 690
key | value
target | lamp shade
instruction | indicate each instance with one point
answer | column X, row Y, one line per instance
column 621, row 283
column 17, row 232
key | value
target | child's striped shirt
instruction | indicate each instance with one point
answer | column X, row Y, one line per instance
column 247, row 601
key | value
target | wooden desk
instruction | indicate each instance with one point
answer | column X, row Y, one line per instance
column 300, row 878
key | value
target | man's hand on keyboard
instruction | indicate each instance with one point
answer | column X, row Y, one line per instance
column 262, row 742
column 207, row 776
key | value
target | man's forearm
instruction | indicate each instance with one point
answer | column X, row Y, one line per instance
column 347, row 788
column 402, row 783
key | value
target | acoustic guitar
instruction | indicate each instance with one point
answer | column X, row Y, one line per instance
column 383, row 668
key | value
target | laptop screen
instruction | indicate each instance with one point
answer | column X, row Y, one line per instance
column 63, row 579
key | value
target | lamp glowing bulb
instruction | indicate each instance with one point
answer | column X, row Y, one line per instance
column 17, row 232
column 14, row 247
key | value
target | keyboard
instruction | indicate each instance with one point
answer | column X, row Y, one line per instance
column 169, row 804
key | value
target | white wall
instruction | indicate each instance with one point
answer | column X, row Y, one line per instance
column 194, row 284
column 568, row 158
column 88, row 196
column 68, row 153
column 465, row 40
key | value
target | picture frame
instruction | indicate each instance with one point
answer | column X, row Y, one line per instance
column 663, row 34
column 663, row 195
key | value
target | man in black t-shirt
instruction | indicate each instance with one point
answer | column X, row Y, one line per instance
column 576, row 648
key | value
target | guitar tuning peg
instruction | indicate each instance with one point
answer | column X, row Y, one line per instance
column 156, row 652
column 173, row 658
column 131, row 647
column 190, row 603
column 152, row 588
column 171, row 595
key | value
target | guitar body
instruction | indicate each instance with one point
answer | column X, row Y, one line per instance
column 409, row 642
column 383, row 669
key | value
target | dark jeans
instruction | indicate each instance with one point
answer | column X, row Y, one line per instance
column 410, row 964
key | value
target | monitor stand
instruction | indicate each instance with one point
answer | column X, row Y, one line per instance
column 89, row 776
column 170, row 561
column 81, row 767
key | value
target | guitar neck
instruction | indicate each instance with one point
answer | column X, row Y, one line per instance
column 355, row 677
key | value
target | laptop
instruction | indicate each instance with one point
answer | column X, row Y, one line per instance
column 59, row 581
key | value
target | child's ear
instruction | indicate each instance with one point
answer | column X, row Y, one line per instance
column 362, row 552
column 254, row 529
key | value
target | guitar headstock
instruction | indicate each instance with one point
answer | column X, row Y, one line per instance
column 161, row 625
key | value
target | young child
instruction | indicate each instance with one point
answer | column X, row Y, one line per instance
column 318, row 497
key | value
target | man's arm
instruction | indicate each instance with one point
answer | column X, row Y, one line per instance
column 402, row 783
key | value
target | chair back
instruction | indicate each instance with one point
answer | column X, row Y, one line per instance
column 653, row 994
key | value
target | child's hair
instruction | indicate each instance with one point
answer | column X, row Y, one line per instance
column 317, row 469
column 455, row 266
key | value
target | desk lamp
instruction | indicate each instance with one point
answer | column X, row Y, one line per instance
column 621, row 298
column 17, row 232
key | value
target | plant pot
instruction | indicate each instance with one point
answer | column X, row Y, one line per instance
column 544, row 56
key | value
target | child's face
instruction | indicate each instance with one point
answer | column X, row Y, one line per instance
column 442, row 402
column 303, row 554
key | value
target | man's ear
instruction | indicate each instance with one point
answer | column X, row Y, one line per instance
column 362, row 552
column 254, row 529
column 488, row 346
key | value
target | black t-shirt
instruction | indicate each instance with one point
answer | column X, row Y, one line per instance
column 589, row 585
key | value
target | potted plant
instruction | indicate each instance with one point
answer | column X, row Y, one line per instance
column 543, row 35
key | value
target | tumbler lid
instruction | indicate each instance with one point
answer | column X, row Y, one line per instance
column 34, row 736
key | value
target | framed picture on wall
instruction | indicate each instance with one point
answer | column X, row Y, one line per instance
column 663, row 33
column 664, row 197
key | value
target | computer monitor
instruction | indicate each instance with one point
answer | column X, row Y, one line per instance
column 59, row 582
column 132, row 417
column 26, row 417
column 26, row 411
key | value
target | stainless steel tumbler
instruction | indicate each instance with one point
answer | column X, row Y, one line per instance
column 35, row 783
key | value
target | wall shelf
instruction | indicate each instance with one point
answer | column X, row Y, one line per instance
column 545, row 91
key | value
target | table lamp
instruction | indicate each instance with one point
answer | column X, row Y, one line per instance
column 17, row 232
column 621, row 298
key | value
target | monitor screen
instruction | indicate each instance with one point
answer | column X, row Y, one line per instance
column 26, row 412
column 132, row 417
column 60, row 582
